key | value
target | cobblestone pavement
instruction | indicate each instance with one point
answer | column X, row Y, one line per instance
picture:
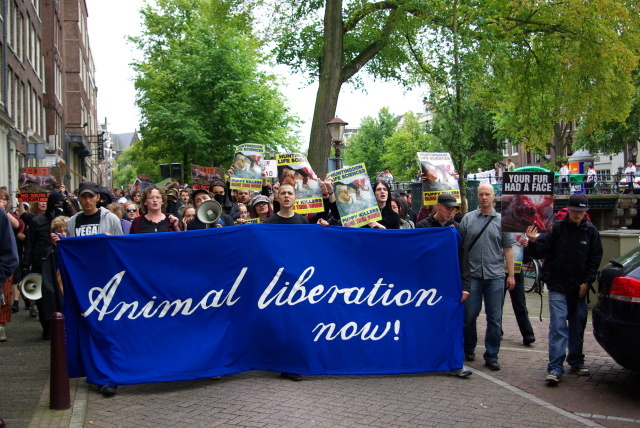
column 514, row 396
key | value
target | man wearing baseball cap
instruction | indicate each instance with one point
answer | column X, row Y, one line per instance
column 572, row 253
column 443, row 217
column 92, row 220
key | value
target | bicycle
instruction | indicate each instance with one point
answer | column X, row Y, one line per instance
column 532, row 274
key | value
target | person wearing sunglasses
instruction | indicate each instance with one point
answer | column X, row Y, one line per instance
column 131, row 211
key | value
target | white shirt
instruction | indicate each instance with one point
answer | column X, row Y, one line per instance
column 591, row 175
column 564, row 172
column 630, row 171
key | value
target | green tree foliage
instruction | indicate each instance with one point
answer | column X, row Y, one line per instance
column 401, row 147
column 536, row 66
column 368, row 144
column 483, row 159
column 200, row 91
column 615, row 137
column 560, row 63
column 138, row 159
column 332, row 42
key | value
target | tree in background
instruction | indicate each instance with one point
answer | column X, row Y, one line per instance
column 562, row 63
column 400, row 148
column 615, row 137
column 368, row 144
column 331, row 43
column 536, row 65
column 199, row 88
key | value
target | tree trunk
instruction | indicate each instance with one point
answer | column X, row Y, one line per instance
column 331, row 80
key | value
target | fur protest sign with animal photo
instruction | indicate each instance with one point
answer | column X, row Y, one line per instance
column 527, row 199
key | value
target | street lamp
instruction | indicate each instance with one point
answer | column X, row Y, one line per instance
column 336, row 129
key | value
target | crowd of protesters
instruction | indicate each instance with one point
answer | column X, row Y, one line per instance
column 484, row 248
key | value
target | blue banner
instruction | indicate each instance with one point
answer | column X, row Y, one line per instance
column 291, row 298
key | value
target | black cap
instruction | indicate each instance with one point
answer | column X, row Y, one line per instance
column 88, row 186
column 578, row 202
column 448, row 200
column 196, row 191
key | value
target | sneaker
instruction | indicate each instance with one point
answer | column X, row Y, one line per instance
column 461, row 373
column 470, row 356
column 107, row 390
column 3, row 335
column 291, row 376
column 552, row 378
column 581, row 370
column 33, row 311
column 493, row 365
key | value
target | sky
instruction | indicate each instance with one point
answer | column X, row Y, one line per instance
column 110, row 22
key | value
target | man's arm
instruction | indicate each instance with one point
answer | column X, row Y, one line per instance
column 511, row 280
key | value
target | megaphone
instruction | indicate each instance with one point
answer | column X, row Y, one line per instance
column 209, row 211
column 31, row 286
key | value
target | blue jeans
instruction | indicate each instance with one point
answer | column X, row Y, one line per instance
column 566, row 330
column 492, row 290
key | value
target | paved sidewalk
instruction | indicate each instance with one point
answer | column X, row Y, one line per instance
column 513, row 396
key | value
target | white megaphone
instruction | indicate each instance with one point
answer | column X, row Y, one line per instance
column 31, row 286
column 209, row 211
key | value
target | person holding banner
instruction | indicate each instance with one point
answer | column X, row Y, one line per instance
column 443, row 217
column 153, row 218
column 484, row 250
column 92, row 220
column 286, row 214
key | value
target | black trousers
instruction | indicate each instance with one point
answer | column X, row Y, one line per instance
column 519, row 304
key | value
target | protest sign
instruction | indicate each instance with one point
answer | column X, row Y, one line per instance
column 203, row 176
column 356, row 202
column 294, row 169
column 247, row 167
column 527, row 200
column 438, row 176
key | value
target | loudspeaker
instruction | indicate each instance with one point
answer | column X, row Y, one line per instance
column 31, row 286
column 176, row 170
column 165, row 170
column 209, row 211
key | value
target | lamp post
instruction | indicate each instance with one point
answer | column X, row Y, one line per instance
column 336, row 129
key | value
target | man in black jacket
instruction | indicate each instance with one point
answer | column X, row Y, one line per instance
column 443, row 217
column 572, row 253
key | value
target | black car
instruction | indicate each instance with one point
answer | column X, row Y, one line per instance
column 616, row 316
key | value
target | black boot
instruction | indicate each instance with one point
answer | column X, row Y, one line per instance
column 15, row 307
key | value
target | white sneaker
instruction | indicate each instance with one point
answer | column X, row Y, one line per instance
column 3, row 335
